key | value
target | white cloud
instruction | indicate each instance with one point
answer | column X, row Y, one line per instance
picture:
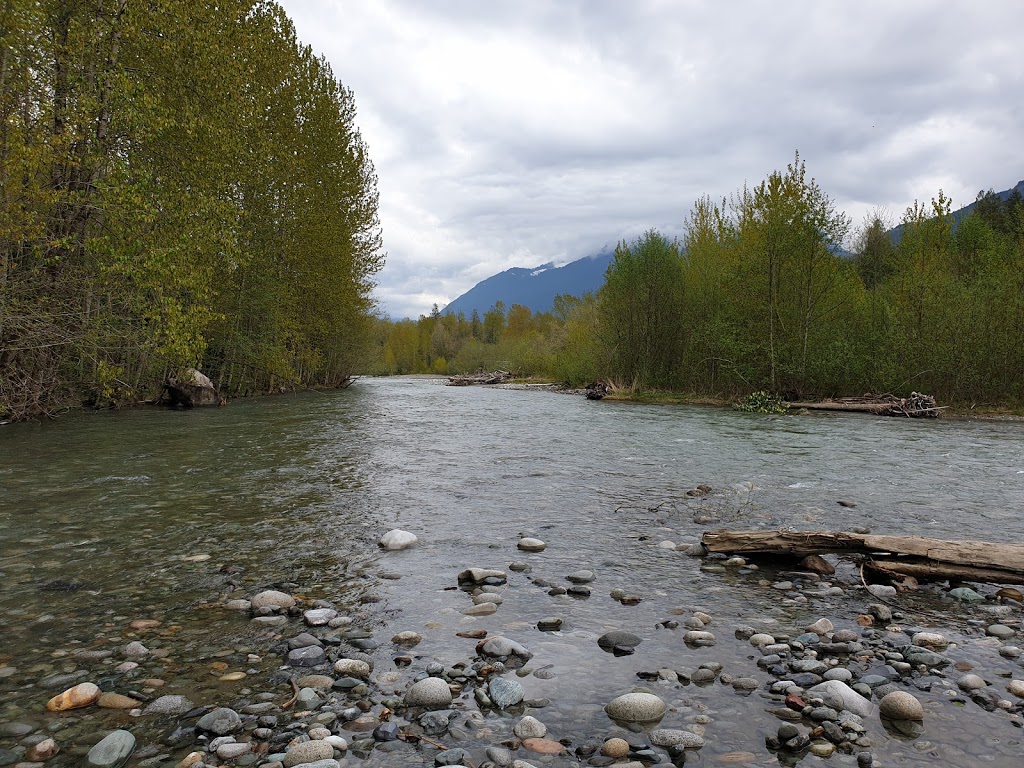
column 512, row 133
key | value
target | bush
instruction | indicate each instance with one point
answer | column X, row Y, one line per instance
column 762, row 401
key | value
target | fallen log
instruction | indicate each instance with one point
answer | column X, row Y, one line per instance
column 923, row 558
column 480, row 377
column 915, row 406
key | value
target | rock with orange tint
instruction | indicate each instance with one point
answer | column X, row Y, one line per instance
column 82, row 695
column 145, row 623
column 116, row 701
column 544, row 746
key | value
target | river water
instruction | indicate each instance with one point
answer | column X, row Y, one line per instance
column 110, row 517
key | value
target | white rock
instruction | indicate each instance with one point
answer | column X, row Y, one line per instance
column 317, row 617
column 839, row 695
column 1016, row 687
column 397, row 539
column 668, row 737
column 820, row 627
column 271, row 598
column 530, row 728
column 932, row 640
column 352, row 667
column 529, row 544
column 761, row 639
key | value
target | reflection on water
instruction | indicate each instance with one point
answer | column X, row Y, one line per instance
column 111, row 517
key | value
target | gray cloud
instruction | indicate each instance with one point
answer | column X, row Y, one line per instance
column 514, row 133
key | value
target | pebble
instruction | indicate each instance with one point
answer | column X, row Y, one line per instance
column 618, row 638
column 353, row 667
column 408, row 638
column 220, row 722
column 615, row 748
column 1001, row 631
column 318, row 617
column 42, row 751
column 931, row 640
column 112, row 750
column 397, row 539
column 234, row 750
column 900, row 705
column 544, row 746
column 272, row 599
column 820, row 627
column 971, row 683
column 308, row 752
column 1016, row 687
column 882, row 590
column 636, row 708
column 116, row 701
column 481, row 609
column 308, row 656
column 505, row 693
column 667, row 737
column 581, row 577
column 839, row 695
column 168, row 705
column 432, row 693
column 528, row 544
column 530, row 728
column 699, row 638
column 81, row 695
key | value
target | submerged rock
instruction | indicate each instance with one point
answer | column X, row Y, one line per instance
column 636, row 708
column 432, row 692
column 112, row 750
column 900, row 705
column 397, row 539
column 82, row 695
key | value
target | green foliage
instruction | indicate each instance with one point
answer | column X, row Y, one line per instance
column 180, row 184
column 757, row 297
column 762, row 402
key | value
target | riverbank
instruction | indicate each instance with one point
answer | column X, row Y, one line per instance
column 335, row 683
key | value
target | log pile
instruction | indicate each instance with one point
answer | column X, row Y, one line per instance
column 924, row 559
column 480, row 377
column 916, row 406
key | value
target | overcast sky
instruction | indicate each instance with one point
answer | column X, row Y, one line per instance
column 516, row 132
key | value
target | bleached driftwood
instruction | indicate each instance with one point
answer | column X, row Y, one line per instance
column 923, row 558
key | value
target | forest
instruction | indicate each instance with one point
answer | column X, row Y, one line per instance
column 771, row 288
column 182, row 184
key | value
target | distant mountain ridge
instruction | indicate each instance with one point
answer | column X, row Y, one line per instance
column 537, row 287
column 534, row 287
column 962, row 213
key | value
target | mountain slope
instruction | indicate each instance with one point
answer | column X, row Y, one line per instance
column 961, row 213
column 534, row 288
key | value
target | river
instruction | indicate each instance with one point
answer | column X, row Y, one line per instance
column 110, row 517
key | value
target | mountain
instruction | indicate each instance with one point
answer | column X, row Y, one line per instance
column 535, row 288
column 961, row 213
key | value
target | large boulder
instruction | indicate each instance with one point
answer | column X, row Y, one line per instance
column 190, row 389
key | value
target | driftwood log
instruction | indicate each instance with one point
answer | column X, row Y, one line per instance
column 480, row 377
column 924, row 559
column 916, row 406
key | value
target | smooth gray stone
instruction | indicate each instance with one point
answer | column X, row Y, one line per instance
column 220, row 721
column 112, row 750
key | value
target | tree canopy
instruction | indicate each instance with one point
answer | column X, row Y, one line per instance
column 181, row 184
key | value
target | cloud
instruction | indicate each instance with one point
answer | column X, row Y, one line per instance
column 516, row 133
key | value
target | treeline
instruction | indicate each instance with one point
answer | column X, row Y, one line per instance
column 181, row 184
column 771, row 288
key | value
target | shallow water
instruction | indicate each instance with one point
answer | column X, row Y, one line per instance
column 105, row 518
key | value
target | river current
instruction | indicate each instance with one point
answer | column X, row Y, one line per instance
column 110, row 517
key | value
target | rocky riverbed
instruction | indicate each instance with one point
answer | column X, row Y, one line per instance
column 868, row 682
